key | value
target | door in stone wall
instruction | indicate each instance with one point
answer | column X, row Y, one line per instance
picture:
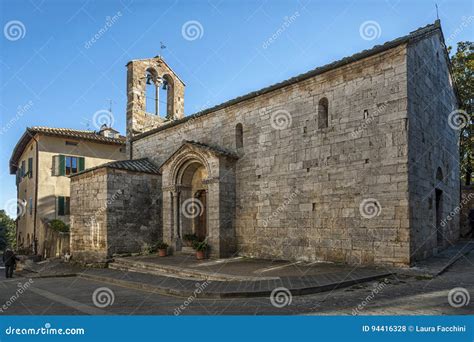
column 200, row 224
column 439, row 217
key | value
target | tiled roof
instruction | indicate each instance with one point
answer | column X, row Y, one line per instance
column 76, row 133
column 60, row 132
column 317, row 71
column 136, row 165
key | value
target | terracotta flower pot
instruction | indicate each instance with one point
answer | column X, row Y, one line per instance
column 200, row 255
column 162, row 252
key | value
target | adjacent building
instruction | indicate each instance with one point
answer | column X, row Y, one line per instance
column 43, row 160
column 353, row 162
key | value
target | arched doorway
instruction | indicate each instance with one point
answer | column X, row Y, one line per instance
column 198, row 183
column 193, row 200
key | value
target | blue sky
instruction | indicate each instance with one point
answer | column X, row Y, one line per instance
column 51, row 74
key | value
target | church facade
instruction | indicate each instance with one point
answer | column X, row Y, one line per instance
column 352, row 162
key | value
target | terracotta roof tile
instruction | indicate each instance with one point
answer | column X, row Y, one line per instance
column 136, row 165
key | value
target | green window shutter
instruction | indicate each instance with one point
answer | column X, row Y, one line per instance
column 30, row 167
column 61, row 205
column 62, row 165
column 81, row 164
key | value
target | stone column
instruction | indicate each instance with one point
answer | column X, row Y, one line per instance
column 176, row 238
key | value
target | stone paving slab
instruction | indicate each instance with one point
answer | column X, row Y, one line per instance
column 228, row 289
column 437, row 264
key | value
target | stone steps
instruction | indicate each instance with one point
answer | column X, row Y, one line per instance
column 122, row 264
column 297, row 286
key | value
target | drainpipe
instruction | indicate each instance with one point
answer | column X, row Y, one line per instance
column 35, row 244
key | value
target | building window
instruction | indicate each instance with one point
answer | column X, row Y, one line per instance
column 67, row 165
column 71, row 143
column 22, row 169
column 30, row 206
column 239, row 136
column 71, row 165
column 159, row 94
column 63, row 206
column 323, row 115
column 30, row 167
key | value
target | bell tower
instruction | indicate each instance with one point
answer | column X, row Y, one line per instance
column 147, row 109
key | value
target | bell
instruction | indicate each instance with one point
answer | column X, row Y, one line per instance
column 165, row 85
column 148, row 79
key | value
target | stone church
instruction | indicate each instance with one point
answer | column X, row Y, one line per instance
column 351, row 162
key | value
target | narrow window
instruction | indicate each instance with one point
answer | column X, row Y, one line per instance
column 239, row 136
column 30, row 206
column 151, row 92
column 30, row 167
column 23, row 169
column 67, row 207
column 323, row 118
column 61, row 205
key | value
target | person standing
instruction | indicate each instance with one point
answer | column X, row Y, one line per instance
column 9, row 260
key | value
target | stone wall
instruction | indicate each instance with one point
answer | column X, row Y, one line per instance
column 88, row 219
column 299, row 188
column 433, row 148
column 113, row 211
column 138, row 120
column 467, row 211
column 133, row 211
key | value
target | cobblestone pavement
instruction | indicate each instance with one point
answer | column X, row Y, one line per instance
column 397, row 295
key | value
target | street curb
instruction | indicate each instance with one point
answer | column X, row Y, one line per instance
column 430, row 272
column 220, row 295
column 122, row 264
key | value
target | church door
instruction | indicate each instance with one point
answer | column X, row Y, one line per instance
column 200, row 221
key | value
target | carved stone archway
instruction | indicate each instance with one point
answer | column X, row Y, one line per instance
column 199, row 197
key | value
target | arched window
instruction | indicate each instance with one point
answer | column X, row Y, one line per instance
column 439, row 174
column 323, row 117
column 166, row 97
column 239, row 136
column 151, row 92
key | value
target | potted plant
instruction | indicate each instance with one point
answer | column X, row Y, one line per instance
column 189, row 239
column 162, row 248
column 201, row 248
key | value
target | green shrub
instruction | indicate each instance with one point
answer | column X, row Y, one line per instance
column 161, row 245
column 148, row 248
column 190, row 237
column 200, row 246
column 59, row 226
